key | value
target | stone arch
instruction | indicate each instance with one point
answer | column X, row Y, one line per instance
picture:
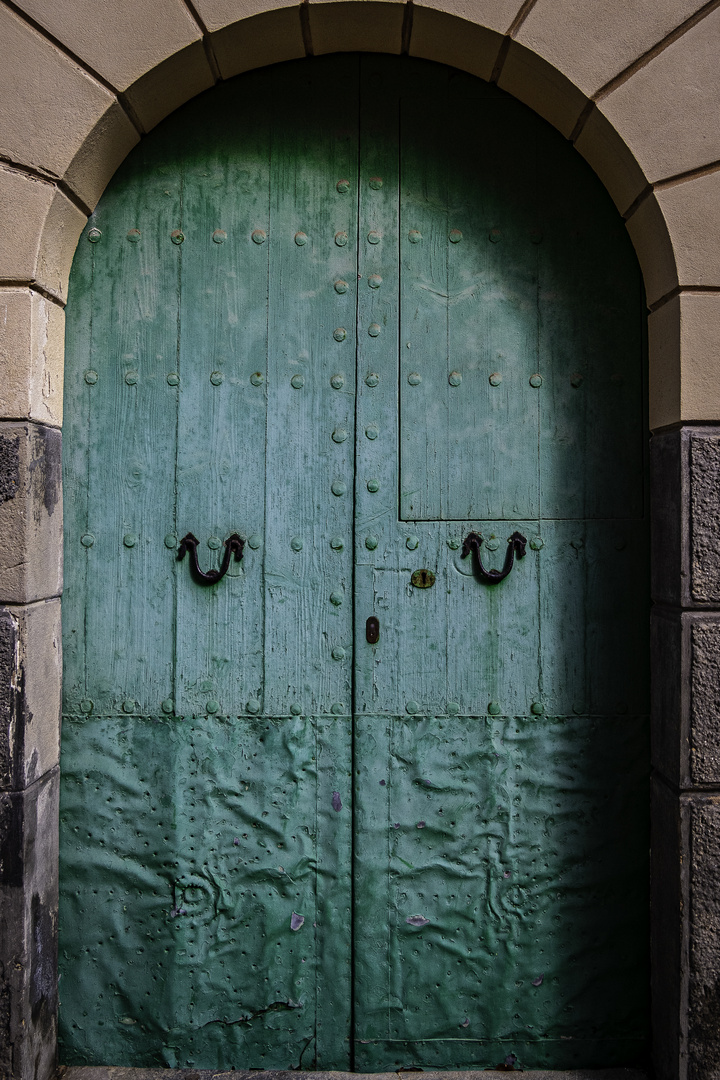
column 636, row 91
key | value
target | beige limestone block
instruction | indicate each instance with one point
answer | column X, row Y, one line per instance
column 217, row 14
column 612, row 159
column 654, row 249
column 538, row 84
column 684, row 343
column 356, row 26
column 120, row 39
column 102, row 151
column 261, row 39
column 667, row 112
column 30, row 513
column 32, row 331
column 39, row 229
column 497, row 15
column 170, row 84
column 691, row 210
column 451, row 40
column 591, row 43
column 48, row 104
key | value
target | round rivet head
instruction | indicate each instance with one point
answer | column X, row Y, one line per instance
column 177, row 236
column 454, row 236
column 216, row 377
column 411, row 543
column 339, row 435
column 495, row 379
column 452, row 708
column 257, row 378
column 86, row 705
column 337, row 382
column 454, row 378
column 537, row 708
column 170, row 541
column 340, row 286
column 94, row 235
column 371, row 542
column 336, row 598
column 375, row 182
column 254, row 541
column 258, row 236
column 212, row 706
column 253, row 706
column 374, row 281
column 453, row 543
column 91, row 377
column 301, row 239
column 131, row 378
column 297, row 382
column 219, row 236
column 373, row 486
column 295, row 709
column 133, row 235
column 494, row 708
column 168, row 705
column 343, row 186
column 414, row 378
column 374, row 237
column 296, row 543
column 340, row 333
column 536, row 380
column 414, row 236
column 576, row 379
column 537, row 543
column 577, row 543
column 412, row 707
column 214, row 543
column 129, row 540
column 128, row 706
column 492, row 543
column 372, row 379
column 338, row 653
column 173, row 379
column 337, row 543
column 341, row 239
column 339, row 487
column 494, row 236
column 374, row 329
column 337, row 708
column 372, row 431
column 87, row 540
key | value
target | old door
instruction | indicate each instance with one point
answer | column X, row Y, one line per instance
column 354, row 310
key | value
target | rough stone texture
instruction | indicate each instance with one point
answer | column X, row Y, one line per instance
column 30, row 513
column 356, row 26
column 612, row 159
column 30, row 682
column 47, row 103
column 94, row 1072
column 528, row 77
column 668, row 942
column 613, row 34
column 259, row 40
column 666, row 112
column 101, row 153
column 497, row 15
column 32, row 332
column 28, row 930
column 450, row 40
column 704, row 931
column 120, row 39
column 170, row 84
column 705, row 517
column 705, row 700
column 218, row 14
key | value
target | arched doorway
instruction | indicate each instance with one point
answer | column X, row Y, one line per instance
column 355, row 310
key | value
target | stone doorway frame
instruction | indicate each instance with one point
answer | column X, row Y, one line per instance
column 636, row 88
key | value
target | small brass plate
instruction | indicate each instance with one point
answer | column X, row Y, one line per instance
column 423, row 579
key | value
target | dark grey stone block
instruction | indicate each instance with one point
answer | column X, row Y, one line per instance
column 28, row 929
column 704, row 938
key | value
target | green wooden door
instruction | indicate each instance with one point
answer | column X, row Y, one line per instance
column 354, row 309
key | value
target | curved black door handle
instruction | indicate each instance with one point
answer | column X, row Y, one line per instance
column 233, row 546
column 516, row 544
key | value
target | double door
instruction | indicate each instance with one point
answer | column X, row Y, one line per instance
column 355, row 804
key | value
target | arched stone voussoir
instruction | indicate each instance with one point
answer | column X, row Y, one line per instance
column 251, row 33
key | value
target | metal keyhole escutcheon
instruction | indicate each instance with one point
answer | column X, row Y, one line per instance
column 516, row 545
column 233, row 546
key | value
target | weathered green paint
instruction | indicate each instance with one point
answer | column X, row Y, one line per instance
column 255, row 799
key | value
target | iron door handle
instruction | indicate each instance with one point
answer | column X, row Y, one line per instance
column 516, row 545
column 233, row 546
